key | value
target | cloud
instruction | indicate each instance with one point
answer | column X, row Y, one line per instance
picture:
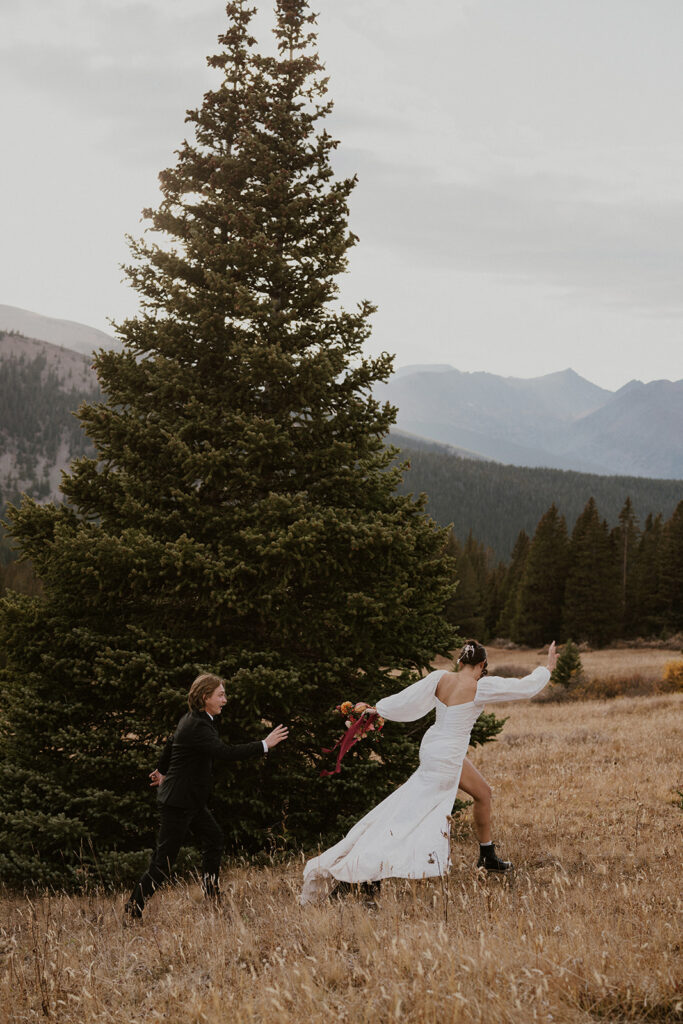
column 126, row 70
column 499, row 153
column 559, row 230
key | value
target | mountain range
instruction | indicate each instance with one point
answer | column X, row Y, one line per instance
column 465, row 434
column 559, row 421
column 65, row 333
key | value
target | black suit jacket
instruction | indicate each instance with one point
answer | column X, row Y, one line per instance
column 187, row 760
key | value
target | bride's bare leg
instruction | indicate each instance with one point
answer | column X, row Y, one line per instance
column 475, row 785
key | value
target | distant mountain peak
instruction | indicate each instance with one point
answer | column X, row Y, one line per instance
column 402, row 371
column 559, row 419
column 66, row 333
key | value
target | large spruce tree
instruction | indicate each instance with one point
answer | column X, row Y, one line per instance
column 240, row 514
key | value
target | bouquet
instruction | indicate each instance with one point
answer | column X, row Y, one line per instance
column 360, row 721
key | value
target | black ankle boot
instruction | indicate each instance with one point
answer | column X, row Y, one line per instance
column 371, row 889
column 366, row 889
column 489, row 860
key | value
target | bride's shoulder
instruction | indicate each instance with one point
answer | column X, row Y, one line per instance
column 445, row 682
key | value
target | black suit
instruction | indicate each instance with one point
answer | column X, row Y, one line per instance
column 187, row 762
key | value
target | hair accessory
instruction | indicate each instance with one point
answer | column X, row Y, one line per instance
column 467, row 650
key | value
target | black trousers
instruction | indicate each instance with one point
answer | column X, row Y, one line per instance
column 176, row 823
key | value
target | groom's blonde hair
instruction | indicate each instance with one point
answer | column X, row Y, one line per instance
column 202, row 687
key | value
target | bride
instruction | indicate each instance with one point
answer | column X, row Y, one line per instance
column 407, row 834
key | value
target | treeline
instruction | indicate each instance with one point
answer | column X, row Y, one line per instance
column 496, row 501
column 595, row 584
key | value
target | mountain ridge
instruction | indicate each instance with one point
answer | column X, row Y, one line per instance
column 41, row 383
column 558, row 420
column 65, row 333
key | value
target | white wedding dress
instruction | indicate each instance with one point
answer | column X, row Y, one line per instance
column 407, row 834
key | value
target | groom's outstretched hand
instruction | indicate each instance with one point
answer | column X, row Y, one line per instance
column 156, row 778
column 279, row 733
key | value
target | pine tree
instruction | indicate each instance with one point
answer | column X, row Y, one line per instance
column 626, row 536
column 540, row 595
column 591, row 604
column 648, row 597
column 568, row 669
column 467, row 609
column 671, row 571
column 497, row 578
column 240, row 513
column 510, row 588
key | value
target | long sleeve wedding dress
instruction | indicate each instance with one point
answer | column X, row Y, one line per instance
column 407, row 834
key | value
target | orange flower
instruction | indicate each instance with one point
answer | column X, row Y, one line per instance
column 346, row 707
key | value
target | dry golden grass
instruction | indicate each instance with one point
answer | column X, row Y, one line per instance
column 588, row 929
column 607, row 663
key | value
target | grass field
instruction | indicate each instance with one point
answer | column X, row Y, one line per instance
column 605, row 663
column 587, row 930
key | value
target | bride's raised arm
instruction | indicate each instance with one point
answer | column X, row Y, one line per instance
column 493, row 688
column 412, row 703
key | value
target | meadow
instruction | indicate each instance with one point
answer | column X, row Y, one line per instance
column 598, row 663
column 588, row 805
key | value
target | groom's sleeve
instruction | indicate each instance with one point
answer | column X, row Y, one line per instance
column 236, row 752
column 165, row 760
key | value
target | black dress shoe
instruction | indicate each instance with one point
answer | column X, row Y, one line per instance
column 489, row 860
column 366, row 889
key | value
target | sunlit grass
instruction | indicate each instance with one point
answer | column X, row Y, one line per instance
column 587, row 929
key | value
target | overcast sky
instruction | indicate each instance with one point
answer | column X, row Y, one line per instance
column 520, row 163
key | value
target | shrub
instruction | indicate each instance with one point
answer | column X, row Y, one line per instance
column 673, row 677
column 569, row 670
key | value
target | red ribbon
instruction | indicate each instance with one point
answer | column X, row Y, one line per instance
column 351, row 736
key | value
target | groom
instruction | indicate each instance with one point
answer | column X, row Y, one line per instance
column 184, row 778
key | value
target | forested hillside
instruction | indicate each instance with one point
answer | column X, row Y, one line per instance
column 40, row 387
column 496, row 501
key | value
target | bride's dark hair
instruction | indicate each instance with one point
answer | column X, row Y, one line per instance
column 473, row 654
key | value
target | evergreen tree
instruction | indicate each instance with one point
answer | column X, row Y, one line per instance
column 538, row 616
column 495, row 598
column 671, row 572
column 568, row 669
column 467, row 609
column 510, row 587
column 591, row 605
column 240, row 513
column 648, row 600
column 626, row 536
